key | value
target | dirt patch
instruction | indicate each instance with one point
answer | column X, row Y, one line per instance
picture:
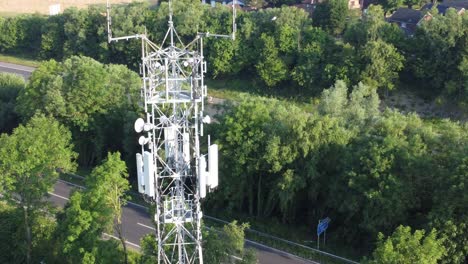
column 42, row 6
column 408, row 102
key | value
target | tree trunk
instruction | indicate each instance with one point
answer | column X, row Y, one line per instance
column 250, row 194
column 122, row 239
column 259, row 196
column 27, row 234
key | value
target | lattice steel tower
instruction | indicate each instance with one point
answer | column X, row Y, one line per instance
column 171, row 172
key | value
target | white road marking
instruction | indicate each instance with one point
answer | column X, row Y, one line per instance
column 152, row 228
column 137, row 205
column 72, row 184
column 127, row 242
column 59, row 196
column 82, row 187
column 14, row 68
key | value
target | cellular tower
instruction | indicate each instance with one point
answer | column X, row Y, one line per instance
column 172, row 174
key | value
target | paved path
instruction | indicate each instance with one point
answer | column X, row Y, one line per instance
column 24, row 71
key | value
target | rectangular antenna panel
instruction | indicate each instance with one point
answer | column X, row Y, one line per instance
column 170, row 141
column 140, row 173
column 212, row 166
column 149, row 173
column 186, row 139
column 202, row 176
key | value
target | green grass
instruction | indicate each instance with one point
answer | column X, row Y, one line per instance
column 21, row 60
column 236, row 89
column 8, row 14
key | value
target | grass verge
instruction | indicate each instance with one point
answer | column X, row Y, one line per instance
column 236, row 89
column 17, row 59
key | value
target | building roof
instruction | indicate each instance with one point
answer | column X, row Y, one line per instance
column 441, row 8
column 456, row 3
column 406, row 15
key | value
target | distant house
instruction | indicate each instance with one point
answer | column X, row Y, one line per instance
column 408, row 19
column 459, row 6
column 238, row 3
column 456, row 3
column 355, row 4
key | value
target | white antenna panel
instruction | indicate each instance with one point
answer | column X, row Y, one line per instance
column 202, row 176
column 170, row 141
column 212, row 180
column 186, row 139
column 140, row 173
column 149, row 173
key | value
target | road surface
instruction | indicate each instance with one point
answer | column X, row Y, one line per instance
column 137, row 223
column 24, row 71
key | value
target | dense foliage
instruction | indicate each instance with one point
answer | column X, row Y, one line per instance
column 404, row 247
column 278, row 46
column 29, row 168
column 93, row 100
column 10, row 86
column 370, row 171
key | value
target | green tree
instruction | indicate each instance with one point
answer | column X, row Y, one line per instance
column 450, row 196
column 30, row 159
column 390, row 5
column 369, row 28
column 411, row 3
column 358, row 108
column 8, row 33
column 339, row 12
column 11, row 245
column 383, row 64
column 96, row 210
column 29, row 33
column 270, row 67
column 52, row 38
column 10, row 86
column 75, row 34
column 149, row 249
column 109, row 180
column 256, row 4
column 92, row 99
column 227, row 246
column 438, row 61
column 404, row 247
column 331, row 15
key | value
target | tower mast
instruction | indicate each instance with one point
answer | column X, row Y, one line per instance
column 172, row 173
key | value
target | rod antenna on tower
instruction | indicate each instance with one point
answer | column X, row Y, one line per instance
column 234, row 26
column 109, row 31
column 171, row 171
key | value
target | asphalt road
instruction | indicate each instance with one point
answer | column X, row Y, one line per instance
column 135, row 218
column 137, row 223
column 24, row 71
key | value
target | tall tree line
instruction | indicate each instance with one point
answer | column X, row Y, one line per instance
column 370, row 171
column 283, row 47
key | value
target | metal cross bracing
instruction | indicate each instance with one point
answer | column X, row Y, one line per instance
column 174, row 93
column 171, row 172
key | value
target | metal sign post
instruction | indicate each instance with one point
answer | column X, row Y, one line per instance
column 322, row 228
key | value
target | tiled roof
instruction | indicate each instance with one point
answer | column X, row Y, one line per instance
column 406, row 15
column 442, row 8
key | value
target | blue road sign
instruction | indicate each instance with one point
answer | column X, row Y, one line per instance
column 322, row 226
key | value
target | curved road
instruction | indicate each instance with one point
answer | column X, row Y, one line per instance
column 137, row 223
